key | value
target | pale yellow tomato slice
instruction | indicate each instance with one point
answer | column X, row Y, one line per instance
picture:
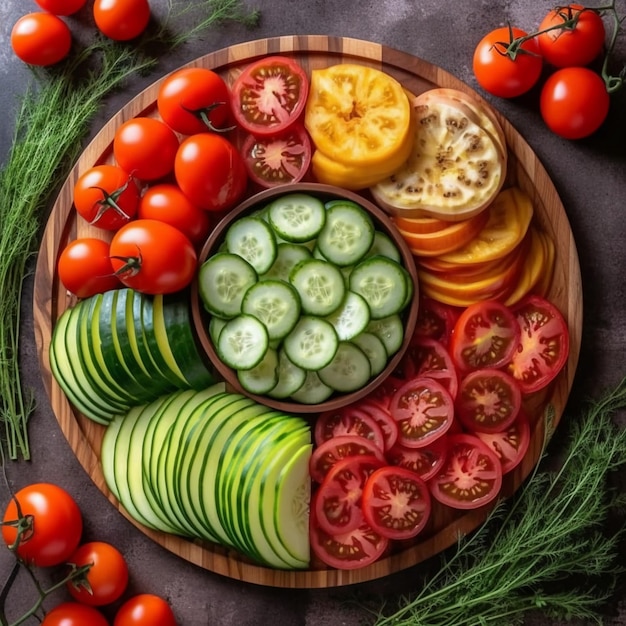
column 357, row 115
column 532, row 269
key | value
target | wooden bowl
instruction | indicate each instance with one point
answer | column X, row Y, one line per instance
column 324, row 192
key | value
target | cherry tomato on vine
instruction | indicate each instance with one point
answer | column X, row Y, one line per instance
column 153, row 257
column 74, row 614
column 121, row 20
column 61, row 7
column 210, row 171
column 167, row 203
column 85, row 267
column 106, row 196
column 572, row 45
column 270, row 95
column 145, row 148
column 57, row 524
column 145, row 610
column 194, row 100
column 107, row 577
column 500, row 75
column 574, row 102
column 41, row 39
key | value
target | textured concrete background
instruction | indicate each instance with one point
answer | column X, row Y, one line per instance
column 590, row 175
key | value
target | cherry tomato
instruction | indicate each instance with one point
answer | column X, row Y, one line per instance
column 278, row 159
column 396, row 502
column 145, row 147
column 74, row 614
column 61, row 7
column 85, row 267
column 145, row 610
column 510, row 445
column 106, row 196
column 338, row 498
column 41, row 39
column 424, row 411
column 348, row 421
column 471, row 476
column 210, row 171
column 332, row 450
column 571, row 46
column 193, row 100
column 488, row 401
column 270, row 95
column 349, row 550
column 167, row 203
column 574, row 102
column 153, row 257
column 485, row 335
column 107, row 577
column 57, row 524
column 121, row 20
column 425, row 462
column 500, row 75
column 544, row 344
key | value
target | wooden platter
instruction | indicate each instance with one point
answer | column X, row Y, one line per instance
column 524, row 170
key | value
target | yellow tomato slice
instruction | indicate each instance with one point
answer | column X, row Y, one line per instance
column 509, row 218
column 357, row 115
column 531, row 270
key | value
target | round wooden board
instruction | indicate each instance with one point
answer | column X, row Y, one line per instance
column 524, row 170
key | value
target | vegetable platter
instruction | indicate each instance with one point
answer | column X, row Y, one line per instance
column 523, row 171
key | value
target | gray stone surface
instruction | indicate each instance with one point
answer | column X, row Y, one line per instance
column 590, row 176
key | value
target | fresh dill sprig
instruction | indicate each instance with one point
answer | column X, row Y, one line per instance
column 546, row 548
column 53, row 120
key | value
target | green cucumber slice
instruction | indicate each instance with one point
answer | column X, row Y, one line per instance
column 312, row 344
column 390, row 331
column 320, row 285
column 374, row 350
column 313, row 390
column 348, row 371
column 275, row 303
column 252, row 239
column 297, row 217
column 243, row 342
column 288, row 255
column 263, row 377
column 351, row 317
column 290, row 377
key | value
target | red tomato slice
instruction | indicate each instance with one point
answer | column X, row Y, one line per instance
column 340, row 447
column 424, row 411
column 338, row 498
column 350, row 550
column 510, row 445
column 396, row 503
column 488, row 401
column 380, row 412
column 348, row 421
column 485, row 335
column 471, row 475
column 435, row 320
column 278, row 159
column 544, row 344
column 425, row 462
column 270, row 95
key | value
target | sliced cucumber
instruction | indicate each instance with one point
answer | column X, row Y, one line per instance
column 252, row 239
column 320, row 285
column 215, row 328
column 263, row 377
column 351, row 317
column 384, row 245
column 297, row 217
column 223, row 280
column 275, row 303
column 383, row 284
column 390, row 331
column 348, row 371
column 243, row 342
column 348, row 233
column 313, row 390
column 290, row 377
column 312, row 344
column 288, row 255
column 374, row 350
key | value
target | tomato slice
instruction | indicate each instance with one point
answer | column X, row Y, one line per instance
column 544, row 344
column 349, row 550
column 381, row 414
column 278, row 159
column 269, row 95
column 396, row 503
column 511, row 444
column 348, row 420
column 340, row 447
column 485, row 335
column 435, row 320
column 338, row 498
column 488, row 400
column 471, row 476
column 424, row 411
column 425, row 462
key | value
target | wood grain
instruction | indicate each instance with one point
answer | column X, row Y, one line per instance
column 50, row 300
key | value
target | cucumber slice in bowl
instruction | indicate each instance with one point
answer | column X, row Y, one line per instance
column 243, row 342
column 349, row 369
column 312, row 344
column 320, row 285
column 297, row 217
column 253, row 240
